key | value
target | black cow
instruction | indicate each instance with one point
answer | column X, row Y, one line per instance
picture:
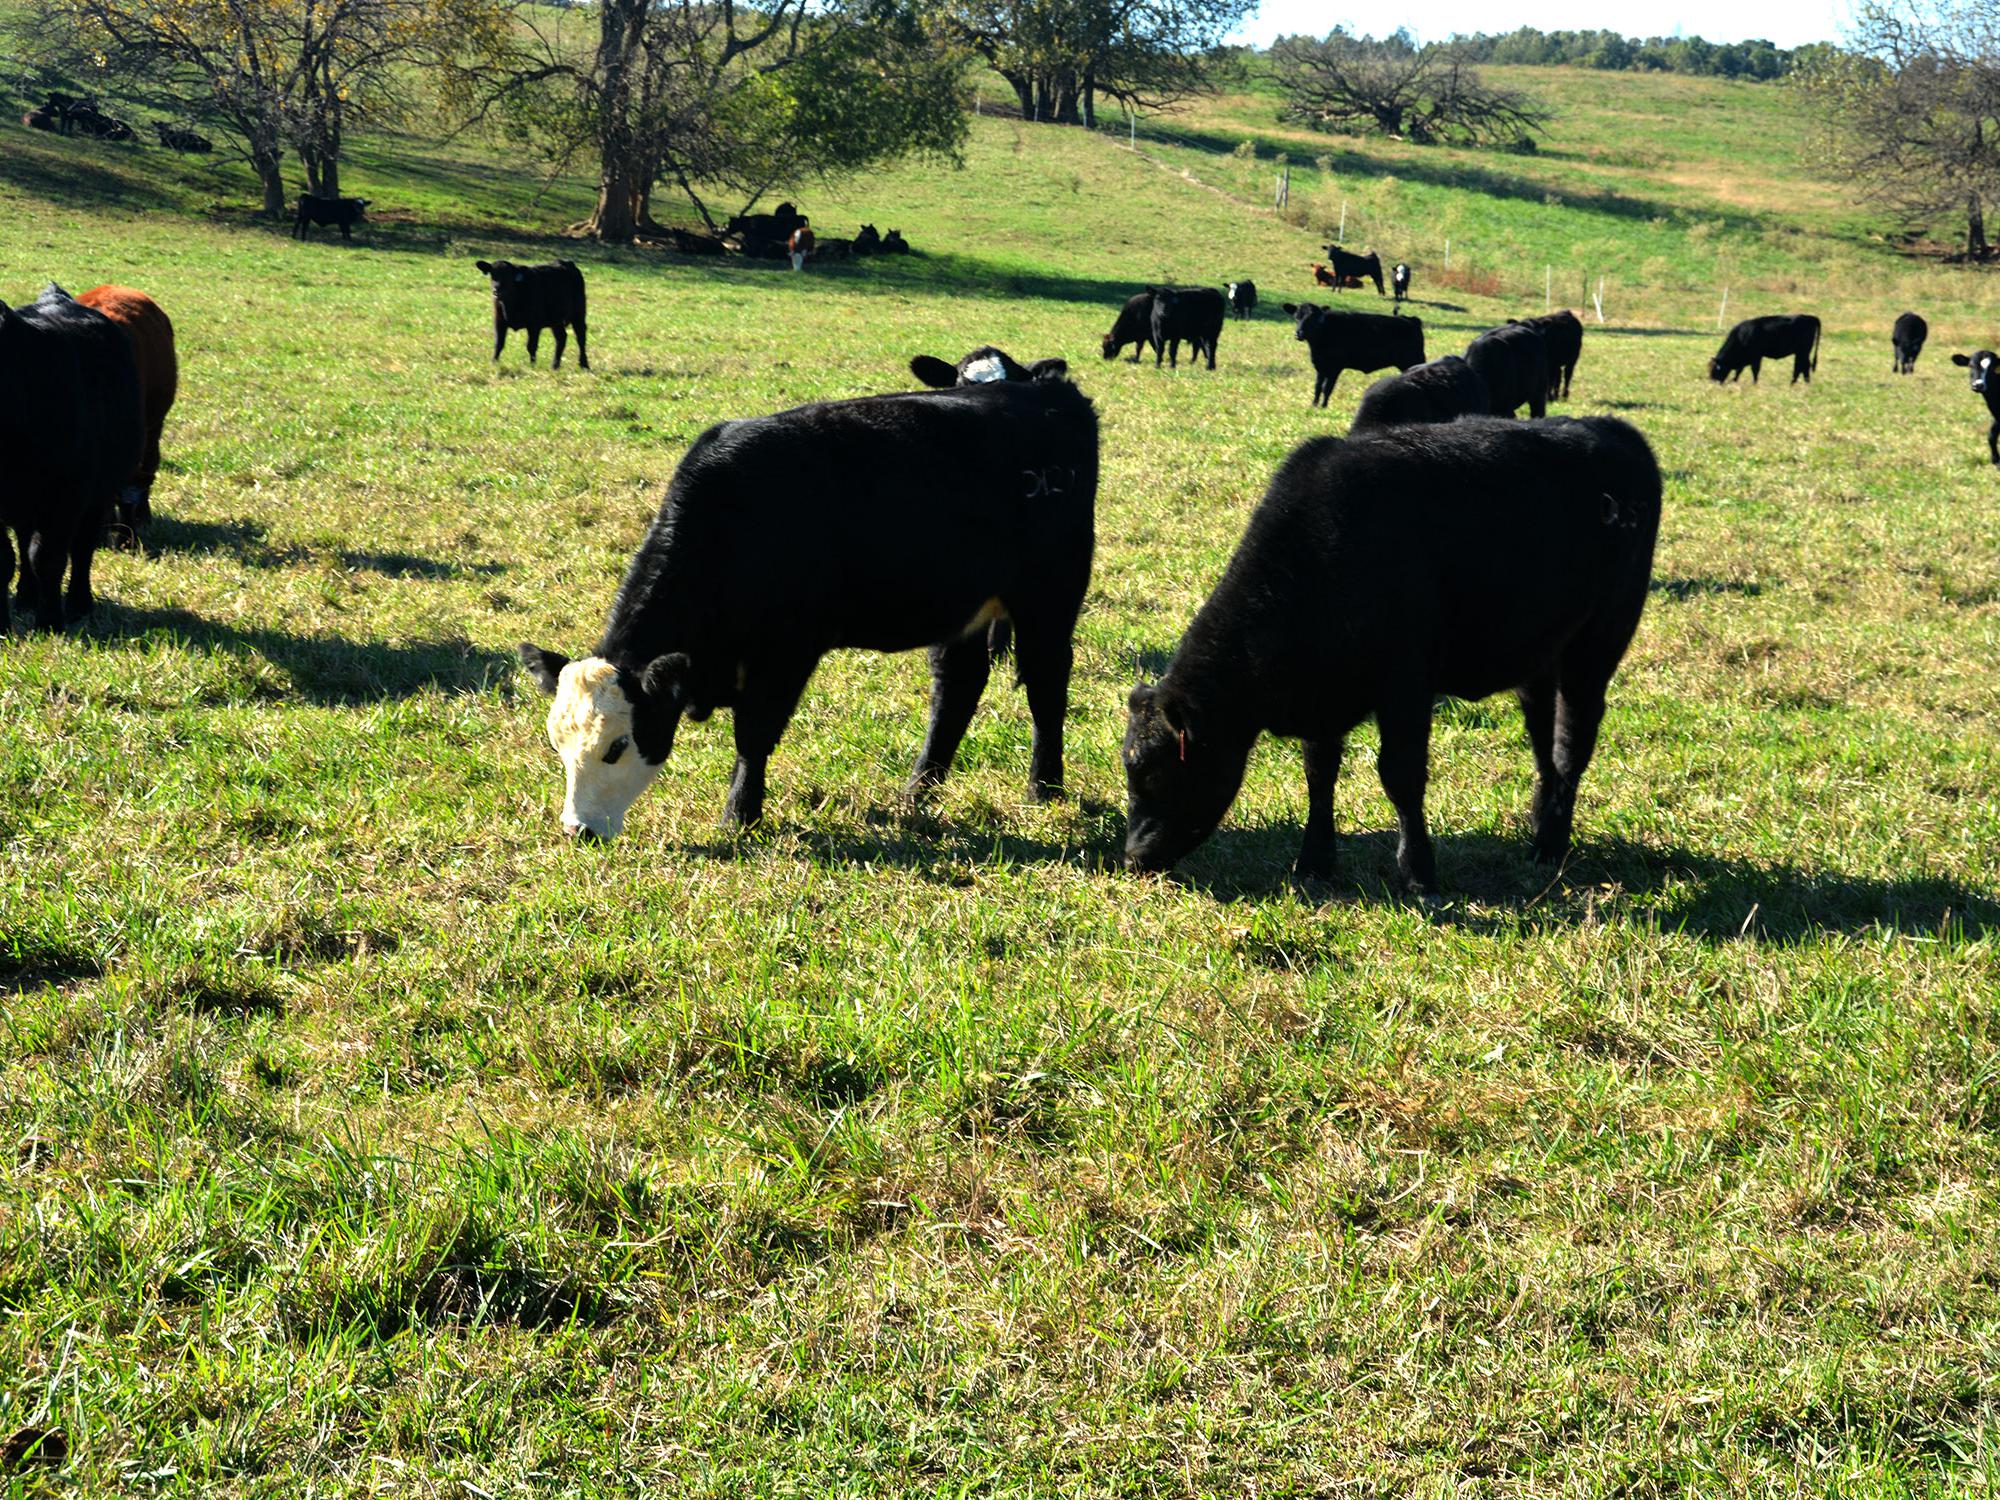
column 867, row 241
column 1755, row 340
column 41, row 117
column 1243, row 298
column 1379, row 572
column 983, row 365
column 884, row 523
column 1353, row 341
column 314, row 209
column 536, row 297
column 1399, row 283
column 1134, row 326
column 185, row 141
column 71, row 429
column 776, row 225
column 893, row 243
column 84, row 115
column 1349, row 268
column 1985, row 367
column 1513, row 360
column 1441, row 391
column 1562, row 338
column 1906, row 342
column 1194, row 313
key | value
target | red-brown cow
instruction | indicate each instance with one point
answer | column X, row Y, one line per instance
column 152, row 335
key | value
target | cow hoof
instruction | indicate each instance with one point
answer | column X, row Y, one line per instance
column 1043, row 791
column 1312, row 868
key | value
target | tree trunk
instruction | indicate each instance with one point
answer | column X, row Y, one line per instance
column 1976, row 247
column 271, row 174
column 622, row 171
column 1024, row 91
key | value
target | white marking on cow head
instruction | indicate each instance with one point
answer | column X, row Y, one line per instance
column 980, row 371
column 590, row 725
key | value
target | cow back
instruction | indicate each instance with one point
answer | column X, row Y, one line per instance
column 70, row 413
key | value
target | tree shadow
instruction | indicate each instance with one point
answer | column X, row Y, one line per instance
column 1684, row 589
column 71, row 171
column 245, row 541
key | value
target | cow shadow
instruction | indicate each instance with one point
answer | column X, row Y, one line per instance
column 247, row 542
column 1684, row 589
column 327, row 670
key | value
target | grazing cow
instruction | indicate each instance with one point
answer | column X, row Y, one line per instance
column 1134, row 326
column 1513, row 360
column 185, row 141
column 867, row 241
column 536, row 297
column 893, row 243
column 71, row 430
column 1399, row 282
column 1906, row 342
column 1243, row 298
column 1379, row 572
column 1353, row 341
column 1985, row 383
column 1441, row 391
column 1349, row 268
column 982, row 365
column 1562, row 336
column 1755, row 340
column 314, row 209
column 152, row 336
column 928, row 517
column 1194, row 313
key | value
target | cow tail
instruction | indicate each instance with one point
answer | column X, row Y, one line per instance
column 999, row 640
column 1815, row 353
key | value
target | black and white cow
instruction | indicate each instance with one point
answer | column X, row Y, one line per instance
column 343, row 212
column 1985, row 367
column 983, row 365
column 1906, row 342
column 1778, row 336
column 1442, row 391
column 536, row 297
column 1513, row 360
column 884, row 523
column 1399, row 283
column 1378, row 573
column 1243, row 298
column 1193, row 313
column 1353, row 341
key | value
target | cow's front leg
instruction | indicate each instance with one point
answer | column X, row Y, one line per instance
column 560, row 334
column 499, row 338
column 6, row 578
column 959, row 670
column 1046, row 663
column 1993, row 440
column 534, row 343
column 45, row 561
column 763, row 709
column 1315, row 860
column 1404, row 766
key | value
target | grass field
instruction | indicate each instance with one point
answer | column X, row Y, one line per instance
column 361, row 1137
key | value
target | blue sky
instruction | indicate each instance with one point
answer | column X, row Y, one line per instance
column 1786, row 22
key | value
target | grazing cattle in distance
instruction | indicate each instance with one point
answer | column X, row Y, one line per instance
column 1353, row 341
column 1906, row 342
column 185, row 141
column 343, row 212
column 983, row 365
column 1562, row 336
column 1399, row 282
column 884, row 524
column 1776, row 336
column 1986, row 384
column 1378, row 573
column 71, row 430
column 1193, row 313
column 152, row 334
column 1134, row 326
column 1243, row 298
column 1513, row 360
column 536, row 297
column 1349, row 269
column 1440, row 391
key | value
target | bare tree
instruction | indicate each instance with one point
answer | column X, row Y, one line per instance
column 1421, row 93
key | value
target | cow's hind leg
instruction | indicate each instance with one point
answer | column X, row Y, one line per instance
column 1538, row 711
column 1322, row 771
column 82, row 547
column 561, row 335
column 764, row 708
column 582, row 347
column 45, row 563
column 1404, row 766
column 6, row 578
column 534, row 343
column 1579, row 712
column 959, row 670
column 1993, row 440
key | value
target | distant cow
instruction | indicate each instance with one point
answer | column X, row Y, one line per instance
column 1985, row 367
column 1906, row 342
column 1379, row 573
column 41, row 117
column 867, row 241
column 1562, row 334
column 536, row 297
column 1243, row 298
column 152, row 336
column 1514, row 362
column 187, row 141
column 1193, row 313
column 1755, row 340
column 1353, row 341
column 982, row 365
column 71, row 430
column 1441, row 391
column 84, row 115
column 1399, row 282
column 314, row 209
column 777, row 225
column 1349, row 269
column 893, row 243
column 884, row 524
column 1133, row 326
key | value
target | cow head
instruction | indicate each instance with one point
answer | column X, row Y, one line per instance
column 613, row 726
column 983, row 366
column 1982, row 366
column 1305, row 319
column 1180, row 777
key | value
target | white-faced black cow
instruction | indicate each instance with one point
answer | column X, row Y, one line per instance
column 1353, row 341
column 343, row 212
column 1193, row 313
column 1906, row 342
column 884, row 523
column 1379, row 572
column 1562, row 335
column 71, row 431
column 1776, row 336
column 983, row 365
column 1985, row 367
column 1349, row 269
column 1399, row 283
column 1513, row 360
column 536, row 297
column 1442, row 391
column 1243, row 297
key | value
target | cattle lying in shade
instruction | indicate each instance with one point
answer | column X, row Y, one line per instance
column 1985, row 368
column 152, row 336
column 338, row 213
column 885, row 524
column 536, row 297
column 1514, row 362
column 1379, row 572
column 70, row 427
column 1906, row 342
column 1440, row 391
column 1353, row 341
column 1350, row 269
column 187, row 142
column 1243, row 298
column 1562, row 339
column 1191, row 313
column 1793, row 336
column 982, row 365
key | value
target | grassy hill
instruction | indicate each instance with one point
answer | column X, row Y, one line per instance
column 360, row 1136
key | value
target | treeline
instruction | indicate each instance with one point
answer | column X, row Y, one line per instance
column 1756, row 61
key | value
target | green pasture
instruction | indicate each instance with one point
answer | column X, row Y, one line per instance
column 357, row 1136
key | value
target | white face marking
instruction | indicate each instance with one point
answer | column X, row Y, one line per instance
column 982, row 370
column 591, row 719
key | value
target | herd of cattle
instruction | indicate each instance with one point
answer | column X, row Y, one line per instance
column 1439, row 548
column 66, row 114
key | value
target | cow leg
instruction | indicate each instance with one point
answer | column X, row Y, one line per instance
column 1993, row 440
column 1538, row 711
column 1579, row 711
column 1756, row 370
column 6, row 578
column 1315, row 860
column 1044, row 660
column 1404, row 766
column 582, row 350
column 1538, row 403
column 1211, row 353
column 347, row 231
column 45, row 563
column 958, row 676
column 82, row 547
column 499, row 338
column 561, row 336
column 764, row 708
column 534, row 343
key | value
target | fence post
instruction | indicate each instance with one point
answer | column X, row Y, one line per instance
column 1600, row 299
column 1132, row 127
column 1723, row 310
column 1548, row 285
column 1341, row 238
column 1447, row 255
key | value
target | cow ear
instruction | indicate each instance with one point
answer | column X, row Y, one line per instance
column 1048, row 369
column 1141, row 697
column 933, row 371
column 485, row 266
column 665, row 680
column 1290, row 307
column 544, row 666
column 1960, row 359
